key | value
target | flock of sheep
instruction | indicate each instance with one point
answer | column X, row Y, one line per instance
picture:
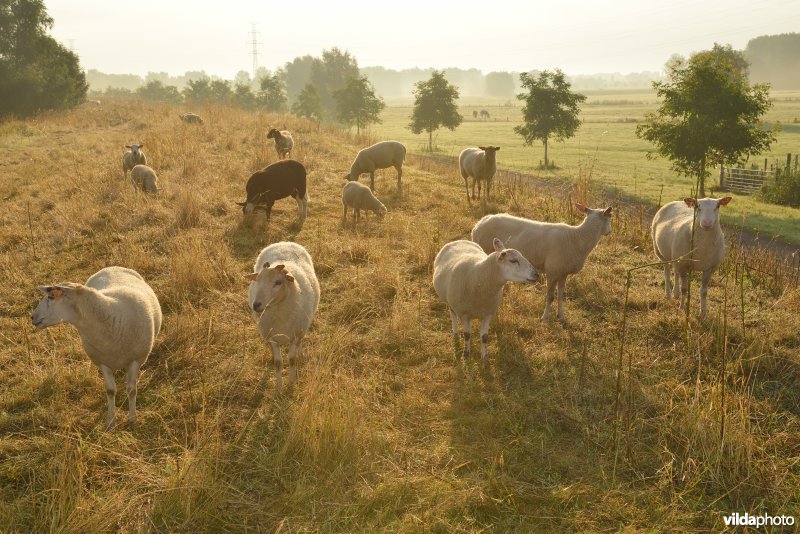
column 118, row 316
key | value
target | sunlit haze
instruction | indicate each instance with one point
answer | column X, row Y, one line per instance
column 580, row 37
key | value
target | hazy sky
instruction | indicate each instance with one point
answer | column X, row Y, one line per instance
column 580, row 37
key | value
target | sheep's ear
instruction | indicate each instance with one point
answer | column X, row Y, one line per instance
column 482, row 147
column 127, row 146
column 498, row 245
column 497, row 148
column 241, row 203
column 502, row 256
column 252, row 276
column 581, row 208
column 140, row 146
column 290, row 278
column 44, row 289
column 607, row 212
column 690, row 202
column 724, row 201
column 266, row 265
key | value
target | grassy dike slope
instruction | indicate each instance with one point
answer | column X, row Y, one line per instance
column 387, row 430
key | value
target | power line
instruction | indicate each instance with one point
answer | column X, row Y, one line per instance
column 254, row 43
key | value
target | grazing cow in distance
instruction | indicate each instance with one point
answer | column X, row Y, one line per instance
column 474, row 113
column 484, row 114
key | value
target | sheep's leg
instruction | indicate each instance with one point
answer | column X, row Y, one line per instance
column 454, row 320
column 485, row 337
column 372, row 180
column 300, row 211
column 344, row 213
column 130, row 388
column 548, row 299
column 466, row 325
column 704, row 291
column 276, row 356
column 399, row 175
column 667, row 279
column 562, row 284
column 357, row 215
column 479, row 188
column 473, row 188
column 269, row 210
column 466, row 186
column 111, row 394
column 294, row 351
column 676, row 285
column 684, row 289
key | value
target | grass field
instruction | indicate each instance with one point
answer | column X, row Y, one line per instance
column 566, row 428
column 606, row 144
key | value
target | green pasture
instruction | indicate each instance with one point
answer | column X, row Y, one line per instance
column 605, row 149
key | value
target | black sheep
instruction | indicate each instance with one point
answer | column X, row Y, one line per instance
column 286, row 178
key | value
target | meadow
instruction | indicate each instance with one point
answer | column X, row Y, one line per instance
column 625, row 417
column 607, row 147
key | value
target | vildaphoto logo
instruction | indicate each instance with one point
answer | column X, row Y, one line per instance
column 747, row 520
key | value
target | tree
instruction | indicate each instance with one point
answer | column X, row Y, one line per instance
column 550, row 110
column 36, row 72
column 158, row 92
column 357, row 105
column 434, row 106
column 243, row 96
column 308, row 104
column 272, row 94
column 198, row 91
column 221, row 91
column 500, row 84
column 775, row 59
column 709, row 114
column 296, row 74
column 332, row 74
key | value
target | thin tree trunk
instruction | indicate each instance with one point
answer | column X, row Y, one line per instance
column 703, row 178
column 430, row 140
column 545, row 152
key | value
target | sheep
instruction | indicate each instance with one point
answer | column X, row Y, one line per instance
column 283, row 142
column 556, row 249
column 133, row 157
column 144, row 178
column 381, row 155
column 276, row 181
column 480, row 164
column 471, row 283
column 359, row 197
column 283, row 297
column 118, row 317
column 485, row 114
column 671, row 231
column 191, row 118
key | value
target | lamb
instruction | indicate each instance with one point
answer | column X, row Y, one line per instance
column 144, row 178
column 556, row 249
column 283, row 297
column 276, row 181
column 471, row 283
column 480, row 164
column 283, row 142
column 672, row 240
column 381, row 155
column 118, row 317
column 133, row 157
column 359, row 197
column 191, row 118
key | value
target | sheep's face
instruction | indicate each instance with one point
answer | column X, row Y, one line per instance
column 707, row 210
column 490, row 152
column 514, row 267
column 56, row 306
column 268, row 287
column 247, row 207
column 273, row 134
column 380, row 210
column 602, row 216
column 134, row 148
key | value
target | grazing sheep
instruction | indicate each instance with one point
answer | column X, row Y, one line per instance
column 555, row 249
column 672, row 239
column 118, row 318
column 283, row 297
column 283, row 142
column 479, row 163
column 381, row 155
column 471, row 283
column 144, row 178
column 191, row 118
column 276, row 181
column 359, row 197
column 133, row 157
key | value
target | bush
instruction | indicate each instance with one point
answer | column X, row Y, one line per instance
column 785, row 190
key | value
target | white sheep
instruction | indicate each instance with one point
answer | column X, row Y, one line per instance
column 672, row 239
column 191, row 118
column 359, row 197
column 381, row 155
column 471, row 283
column 133, row 157
column 144, row 178
column 283, row 142
column 118, row 318
column 555, row 249
column 480, row 164
column 283, row 297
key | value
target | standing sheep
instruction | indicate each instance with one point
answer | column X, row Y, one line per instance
column 283, row 142
column 144, row 178
column 191, row 118
column 672, row 239
column 118, row 318
column 280, row 180
column 471, row 283
column 381, row 155
column 556, row 249
column 283, row 297
column 359, row 197
column 133, row 157
column 480, row 164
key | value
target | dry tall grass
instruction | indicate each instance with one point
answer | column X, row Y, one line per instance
column 386, row 430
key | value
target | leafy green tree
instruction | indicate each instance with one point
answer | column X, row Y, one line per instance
column 243, row 96
column 357, row 105
column 36, row 72
column 272, row 94
column 332, row 74
column 775, row 59
column 434, row 106
column 550, row 110
column 198, row 91
column 158, row 92
column 500, row 84
column 296, row 74
column 221, row 91
column 308, row 104
column 709, row 114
